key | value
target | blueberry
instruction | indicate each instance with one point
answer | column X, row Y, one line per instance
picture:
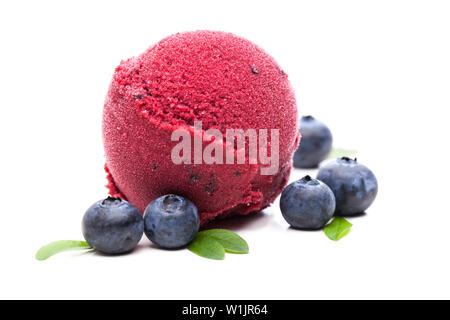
column 307, row 204
column 354, row 185
column 315, row 143
column 171, row 221
column 113, row 226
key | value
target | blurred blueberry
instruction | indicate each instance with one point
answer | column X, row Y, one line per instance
column 315, row 143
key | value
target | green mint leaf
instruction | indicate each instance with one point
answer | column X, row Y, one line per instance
column 339, row 153
column 207, row 247
column 231, row 242
column 338, row 228
column 213, row 244
column 58, row 246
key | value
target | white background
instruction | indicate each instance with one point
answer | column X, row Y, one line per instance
column 377, row 72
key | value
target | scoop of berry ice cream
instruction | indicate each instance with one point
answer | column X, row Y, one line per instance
column 220, row 79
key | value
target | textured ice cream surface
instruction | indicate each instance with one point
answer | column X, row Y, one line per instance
column 220, row 79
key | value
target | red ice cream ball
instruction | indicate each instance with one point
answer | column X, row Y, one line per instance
column 220, row 79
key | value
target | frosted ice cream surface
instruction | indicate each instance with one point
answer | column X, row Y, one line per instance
column 220, row 79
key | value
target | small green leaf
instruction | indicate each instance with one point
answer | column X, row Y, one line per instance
column 338, row 228
column 339, row 153
column 58, row 246
column 231, row 242
column 214, row 243
column 207, row 247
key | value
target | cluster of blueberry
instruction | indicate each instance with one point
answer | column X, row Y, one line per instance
column 115, row 226
column 343, row 187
